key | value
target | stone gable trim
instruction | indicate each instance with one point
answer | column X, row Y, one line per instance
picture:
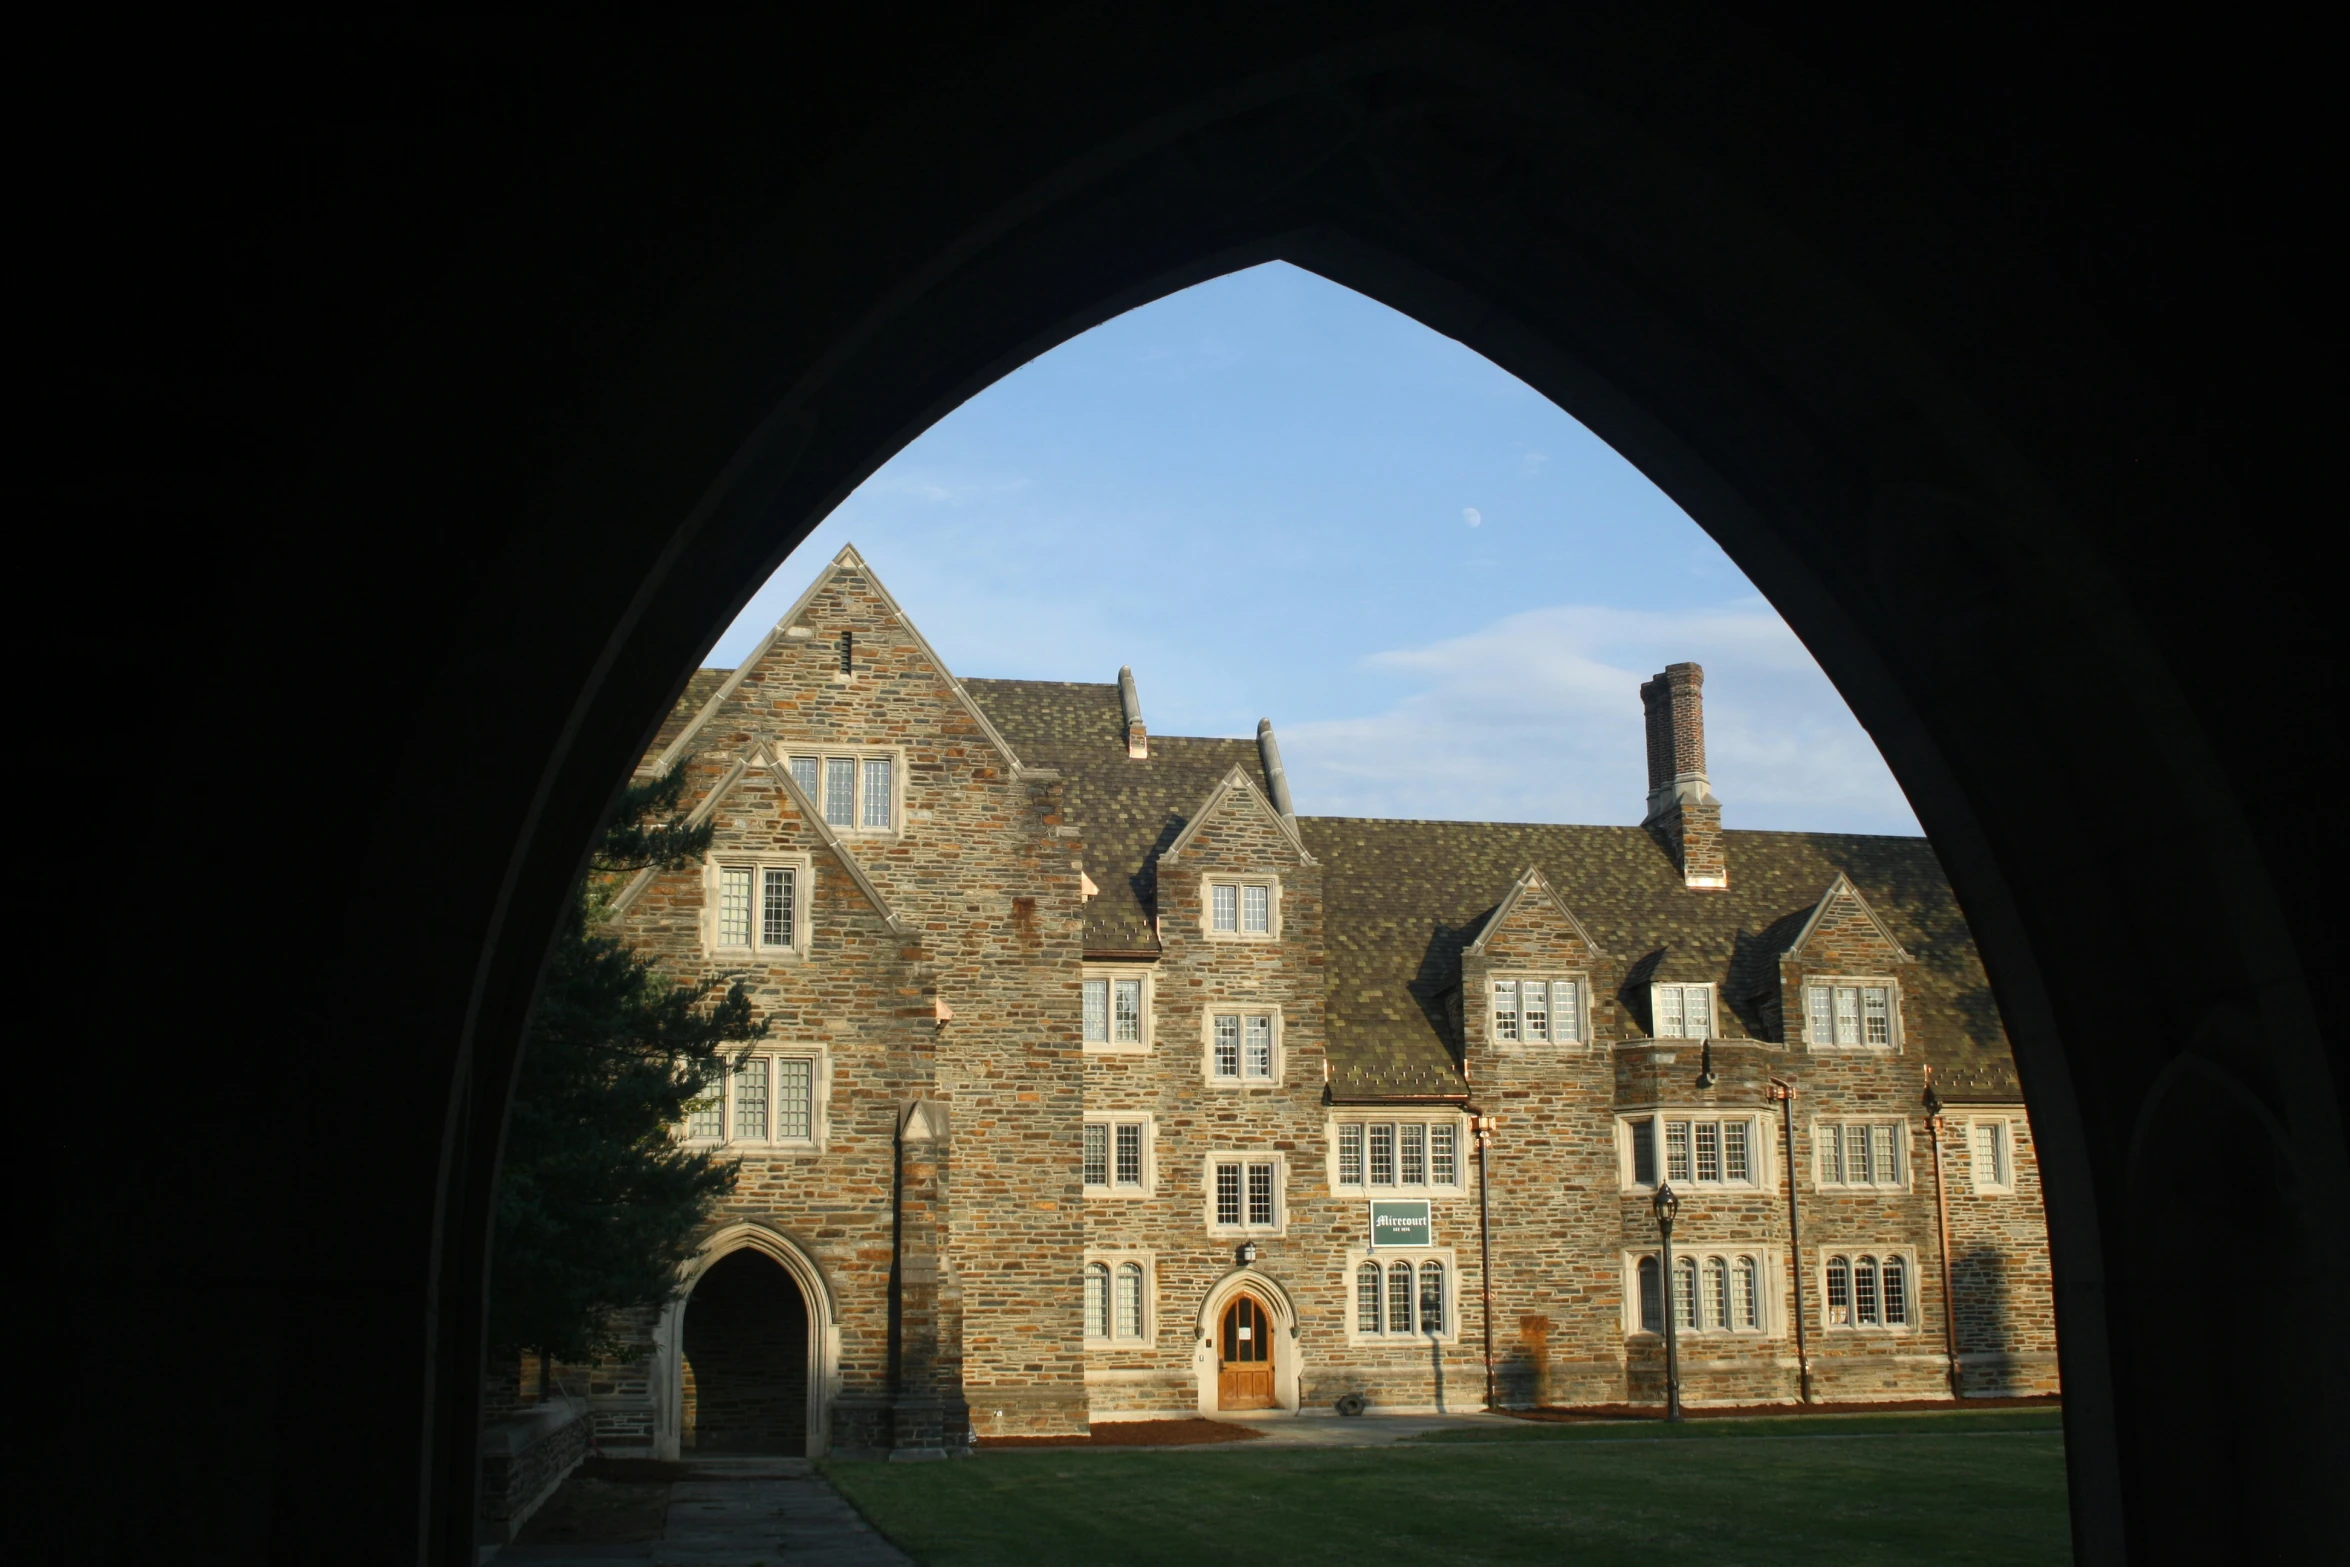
column 1533, row 881
column 1842, row 885
column 1235, row 782
column 761, row 756
column 848, row 560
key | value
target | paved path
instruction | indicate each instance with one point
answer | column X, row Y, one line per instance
column 742, row 1512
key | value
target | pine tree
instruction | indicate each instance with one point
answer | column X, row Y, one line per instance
column 597, row 1203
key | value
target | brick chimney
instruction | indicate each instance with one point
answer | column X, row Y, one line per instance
column 1683, row 815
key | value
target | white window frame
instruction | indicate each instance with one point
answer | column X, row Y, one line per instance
column 860, row 755
column 1856, row 983
column 1368, row 1117
column 1761, row 1148
column 1713, row 1010
column 714, row 868
column 1904, row 1150
column 1245, row 1157
column 1113, row 1190
column 1520, row 979
column 1245, row 1010
column 1826, row 1261
column 1110, row 974
column 1991, row 1186
column 1769, row 1292
column 1113, row 1261
column 819, row 1102
column 1385, row 1256
column 1208, row 883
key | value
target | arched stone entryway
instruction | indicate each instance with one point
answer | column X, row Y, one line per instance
column 1281, row 1323
column 743, row 1368
column 747, row 1357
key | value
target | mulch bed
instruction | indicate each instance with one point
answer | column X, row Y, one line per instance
column 1557, row 1414
column 1137, row 1433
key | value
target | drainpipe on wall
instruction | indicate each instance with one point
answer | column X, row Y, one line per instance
column 1942, row 1230
column 1481, row 1127
column 1784, row 1093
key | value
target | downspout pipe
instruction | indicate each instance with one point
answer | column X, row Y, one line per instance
column 1942, row 1229
column 1276, row 780
column 1785, row 1093
column 1482, row 1129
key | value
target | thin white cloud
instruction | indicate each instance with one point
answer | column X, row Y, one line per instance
column 1537, row 717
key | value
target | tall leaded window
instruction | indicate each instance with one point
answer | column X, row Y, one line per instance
column 1682, row 1011
column 1861, row 1153
column 1368, row 1317
column 705, row 1117
column 1256, row 911
column 750, row 1099
column 1857, row 1015
column 1712, row 1292
column 1652, row 1297
column 1130, row 1300
column 1993, row 1157
column 1745, row 1289
column 758, row 1099
column 1399, row 1297
column 1350, row 1154
column 1685, row 1292
column 758, row 906
column 1895, row 1277
column 1839, row 1292
column 775, row 906
column 1116, row 1155
column 734, row 906
column 1412, row 1154
column 873, row 811
column 840, row 791
column 1383, row 1154
column 1867, row 1291
column 794, row 1098
column 1432, row 1296
column 1245, row 1193
column 1444, row 1165
column 1113, row 1010
column 1715, row 1281
column 1097, row 1300
column 1241, row 1047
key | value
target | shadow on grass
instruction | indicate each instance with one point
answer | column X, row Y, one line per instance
column 1866, row 1489
column 1787, row 1427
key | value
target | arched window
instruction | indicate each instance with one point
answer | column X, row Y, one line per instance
column 1745, row 1292
column 1685, row 1292
column 1864, row 1291
column 1896, row 1292
column 1839, row 1292
column 1432, row 1297
column 1717, row 1293
column 1652, row 1298
column 1130, row 1300
column 1399, row 1297
column 1097, row 1299
column 1367, row 1298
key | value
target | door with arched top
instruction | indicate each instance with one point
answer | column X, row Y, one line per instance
column 1244, row 1355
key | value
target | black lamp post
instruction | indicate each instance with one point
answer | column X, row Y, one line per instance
column 1666, row 1206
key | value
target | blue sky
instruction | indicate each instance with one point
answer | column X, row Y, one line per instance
column 1276, row 498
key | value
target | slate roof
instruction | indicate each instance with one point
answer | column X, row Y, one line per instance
column 1128, row 808
column 1402, row 898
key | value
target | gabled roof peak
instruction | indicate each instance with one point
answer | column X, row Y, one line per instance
column 1235, row 781
column 1531, row 883
column 1842, row 887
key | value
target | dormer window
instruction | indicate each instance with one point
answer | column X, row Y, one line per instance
column 1242, row 910
column 1857, row 1014
column 853, row 793
column 1682, row 1011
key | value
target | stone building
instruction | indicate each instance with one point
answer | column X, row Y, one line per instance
column 1102, row 1085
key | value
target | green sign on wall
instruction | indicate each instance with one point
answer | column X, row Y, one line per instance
column 1401, row 1222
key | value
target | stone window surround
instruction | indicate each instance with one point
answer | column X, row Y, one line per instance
column 1150, row 1156
column 1113, row 1259
column 1116, row 971
column 819, row 1101
column 1356, row 1256
column 1713, row 1010
column 1980, row 1186
column 1245, row 1156
column 1582, row 984
column 895, row 755
column 1367, row 1115
column 1207, row 906
column 1770, row 1283
column 1761, row 1147
column 756, row 860
column 1913, row 1305
column 1904, row 1144
column 1892, row 988
column 1209, row 1012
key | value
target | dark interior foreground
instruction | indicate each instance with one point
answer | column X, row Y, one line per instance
column 425, row 400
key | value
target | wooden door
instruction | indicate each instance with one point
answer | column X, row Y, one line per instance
column 1244, row 1364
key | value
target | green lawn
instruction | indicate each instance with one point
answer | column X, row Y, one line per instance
column 1909, row 1489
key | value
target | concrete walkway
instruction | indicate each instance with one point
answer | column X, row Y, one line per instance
column 741, row 1512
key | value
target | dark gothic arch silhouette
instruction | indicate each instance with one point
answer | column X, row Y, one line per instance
column 434, row 400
